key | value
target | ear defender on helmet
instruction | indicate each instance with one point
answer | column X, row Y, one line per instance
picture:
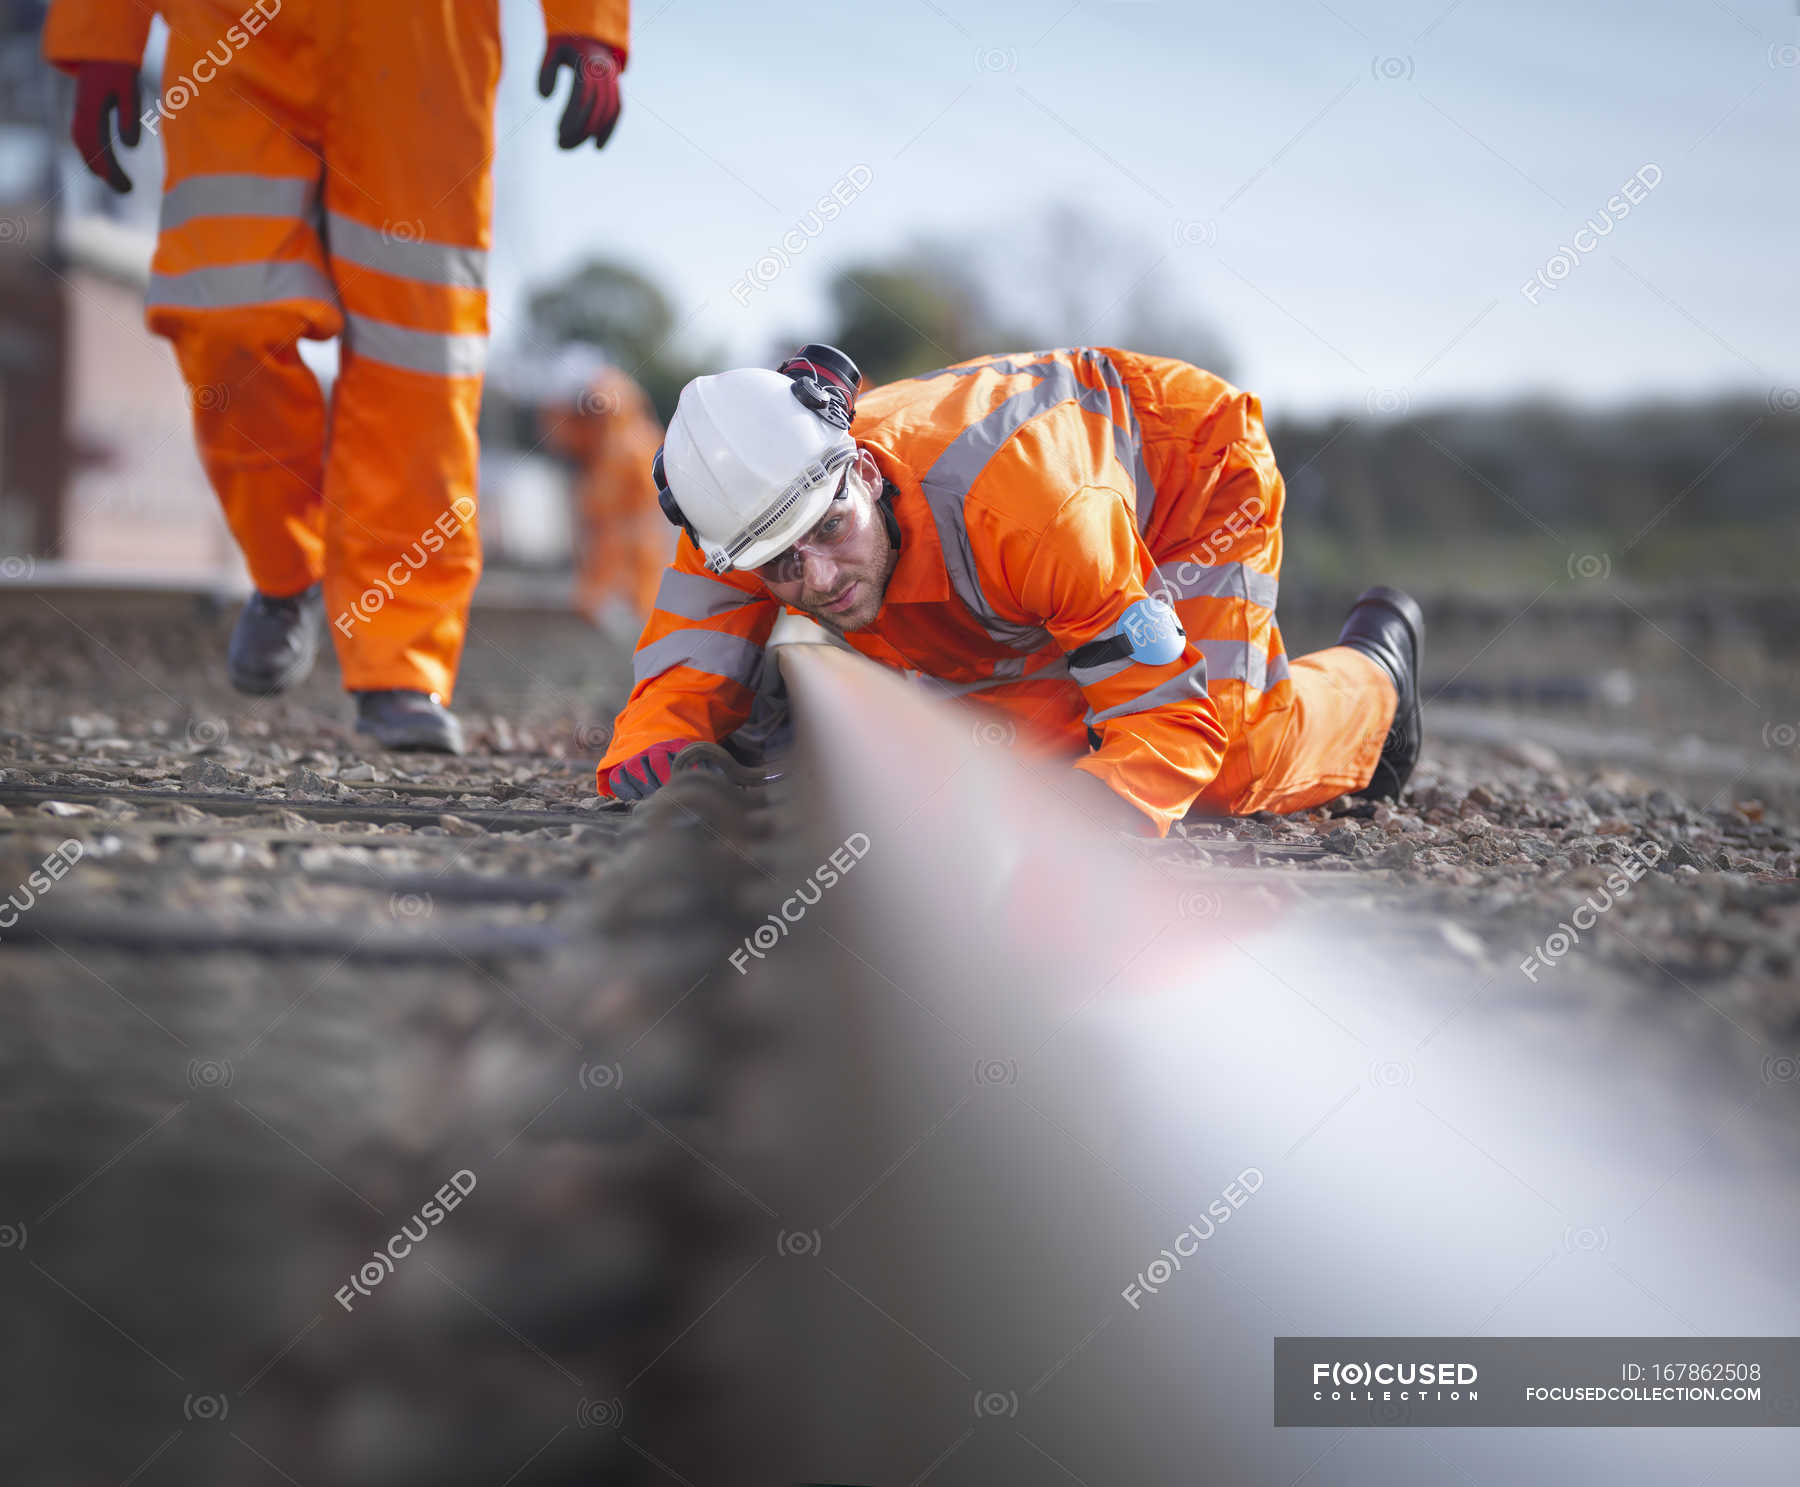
column 825, row 380
column 665, row 498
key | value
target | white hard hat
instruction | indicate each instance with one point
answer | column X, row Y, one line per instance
column 749, row 466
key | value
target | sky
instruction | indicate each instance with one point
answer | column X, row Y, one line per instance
column 1375, row 206
column 1354, row 195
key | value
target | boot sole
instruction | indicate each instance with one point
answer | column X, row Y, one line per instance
column 261, row 686
column 416, row 743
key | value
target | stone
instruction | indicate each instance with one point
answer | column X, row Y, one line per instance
column 224, row 854
column 456, row 826
column 304, row 783
column 1396, row 854
column 323, row 859
column 1342, row 841
column 1531, row 754
column 214, row 778
column 1681, row 855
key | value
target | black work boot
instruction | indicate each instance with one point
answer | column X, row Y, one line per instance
column 1388, row 627
column 275, row 642
column 409, row 720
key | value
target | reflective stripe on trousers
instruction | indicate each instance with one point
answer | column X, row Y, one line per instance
column 399, row 251
column 235, row 285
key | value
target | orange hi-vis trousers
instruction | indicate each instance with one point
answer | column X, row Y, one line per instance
column 328, row 175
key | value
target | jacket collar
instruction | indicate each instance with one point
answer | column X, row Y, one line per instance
column 919, row 577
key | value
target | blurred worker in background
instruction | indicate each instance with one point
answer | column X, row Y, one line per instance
column 328, row 174
column 1084, row 541
column 608, row 429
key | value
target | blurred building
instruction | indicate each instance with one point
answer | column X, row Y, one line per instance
column 97, row 462
column 33, row 343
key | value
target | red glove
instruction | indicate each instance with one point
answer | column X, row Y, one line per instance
column 100, row 88
column 593, row 107
column 642, row 775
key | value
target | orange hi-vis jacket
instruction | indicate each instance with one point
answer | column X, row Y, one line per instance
column 116, row 30
column 328, row 174
column 1043, row 498
column 624, row 540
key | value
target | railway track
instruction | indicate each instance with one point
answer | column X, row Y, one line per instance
column 264, row 1014
column 290, row 990
column 193, row 870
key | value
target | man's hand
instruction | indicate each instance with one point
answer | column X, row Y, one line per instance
column 103, row 88
column 642, row 775
column 1100, row 804
column 593, row 107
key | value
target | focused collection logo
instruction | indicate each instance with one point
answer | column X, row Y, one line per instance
column 1386, row 1382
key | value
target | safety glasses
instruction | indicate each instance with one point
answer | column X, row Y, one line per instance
column 846, row 518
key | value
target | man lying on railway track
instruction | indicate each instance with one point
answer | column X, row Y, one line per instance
column 1084, row 542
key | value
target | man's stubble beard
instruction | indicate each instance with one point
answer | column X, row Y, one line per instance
column 868, row 607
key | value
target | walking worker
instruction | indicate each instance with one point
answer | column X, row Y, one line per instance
column 328, row 174
column 1085, row 542
column 609, row 431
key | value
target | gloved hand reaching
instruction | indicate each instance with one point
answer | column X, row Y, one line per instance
column 642, row 775
column 103, row 88
column 593, row 107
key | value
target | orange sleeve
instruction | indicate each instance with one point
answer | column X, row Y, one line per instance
column 96, row 31
column 605, row 20
column 1161, row 741
column 698, row 662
